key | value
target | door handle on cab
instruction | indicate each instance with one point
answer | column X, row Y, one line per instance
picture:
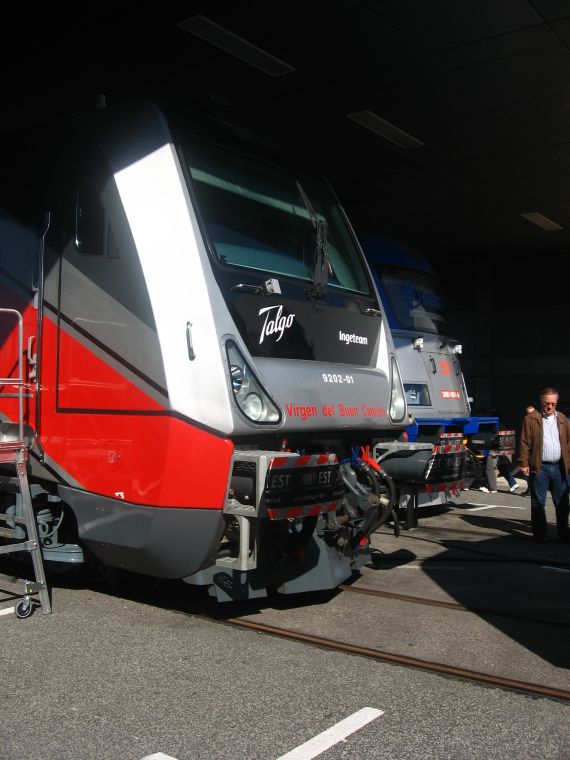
column 191, row 352
column 32, row 358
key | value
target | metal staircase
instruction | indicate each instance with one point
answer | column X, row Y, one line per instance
column 14, row 446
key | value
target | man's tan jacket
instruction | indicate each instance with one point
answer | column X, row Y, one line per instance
column 530, row 451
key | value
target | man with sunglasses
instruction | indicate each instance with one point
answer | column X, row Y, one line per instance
column 545, row 457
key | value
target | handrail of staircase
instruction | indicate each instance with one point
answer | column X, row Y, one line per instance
column 18, row 381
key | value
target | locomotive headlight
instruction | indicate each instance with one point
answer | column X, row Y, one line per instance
column 253, row 406
column 397, row 398
column 249, row 395
column 236, row 374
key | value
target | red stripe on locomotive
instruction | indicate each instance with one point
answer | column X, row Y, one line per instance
column 142, row 458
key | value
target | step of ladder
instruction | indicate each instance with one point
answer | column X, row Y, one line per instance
column 15, row 452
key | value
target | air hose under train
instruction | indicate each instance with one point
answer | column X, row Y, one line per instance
column 371, row 493
column 376, row 518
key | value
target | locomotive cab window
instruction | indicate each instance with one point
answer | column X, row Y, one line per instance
column 417, row 394
column 414, row 298
column 257, row 217
column 89, row 220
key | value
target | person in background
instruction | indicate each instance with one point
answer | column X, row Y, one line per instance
column 506, row 467
column 503, row 463
column 529, row 409
column 489, row 475
column 545, row 457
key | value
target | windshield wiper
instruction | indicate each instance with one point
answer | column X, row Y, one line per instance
column 323, row 266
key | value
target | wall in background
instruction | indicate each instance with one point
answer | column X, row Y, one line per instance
column 512, row 317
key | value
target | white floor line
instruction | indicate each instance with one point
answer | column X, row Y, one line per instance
column 480, row 507
column 333, row 735
column 7, row 611
column 158, row 756
column 556, row 569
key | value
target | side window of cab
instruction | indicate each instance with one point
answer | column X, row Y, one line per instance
column 89, row 220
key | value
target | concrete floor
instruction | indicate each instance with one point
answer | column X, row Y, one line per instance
column 114, row 674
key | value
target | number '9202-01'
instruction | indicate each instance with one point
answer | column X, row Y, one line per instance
column 332, row 378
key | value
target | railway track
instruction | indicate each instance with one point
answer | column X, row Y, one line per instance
column 446, row 543
column 524, row 687
column 487, row 679
column 378, row 655
column 450, row 605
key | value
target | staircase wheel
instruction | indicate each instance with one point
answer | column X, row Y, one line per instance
column 24, row 609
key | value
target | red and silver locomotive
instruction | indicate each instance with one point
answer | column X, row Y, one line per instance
column 208, row 366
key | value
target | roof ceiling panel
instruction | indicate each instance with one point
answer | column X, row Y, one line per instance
column 459, row 57
column 425, row 100
column 478, row 134
column 562, row 28
column 267, row 20
column 368, row 154
column 437, row 225
column 543, row 115
column 558, row 211
column 553, row 138
column 562, row 152
column 540, row 189
column 521, row 77
column 440, row 24
column 353, row 89
column 527, row 163
column 342, row 45
column 551, row 9
column 418, row 184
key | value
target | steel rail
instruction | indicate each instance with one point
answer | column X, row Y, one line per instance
column 446, row 543
column 450, row 605
column 473, row 676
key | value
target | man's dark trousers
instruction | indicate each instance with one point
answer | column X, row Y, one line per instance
column 550, row 477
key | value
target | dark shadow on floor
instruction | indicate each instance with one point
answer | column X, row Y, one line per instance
column 518, row 586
